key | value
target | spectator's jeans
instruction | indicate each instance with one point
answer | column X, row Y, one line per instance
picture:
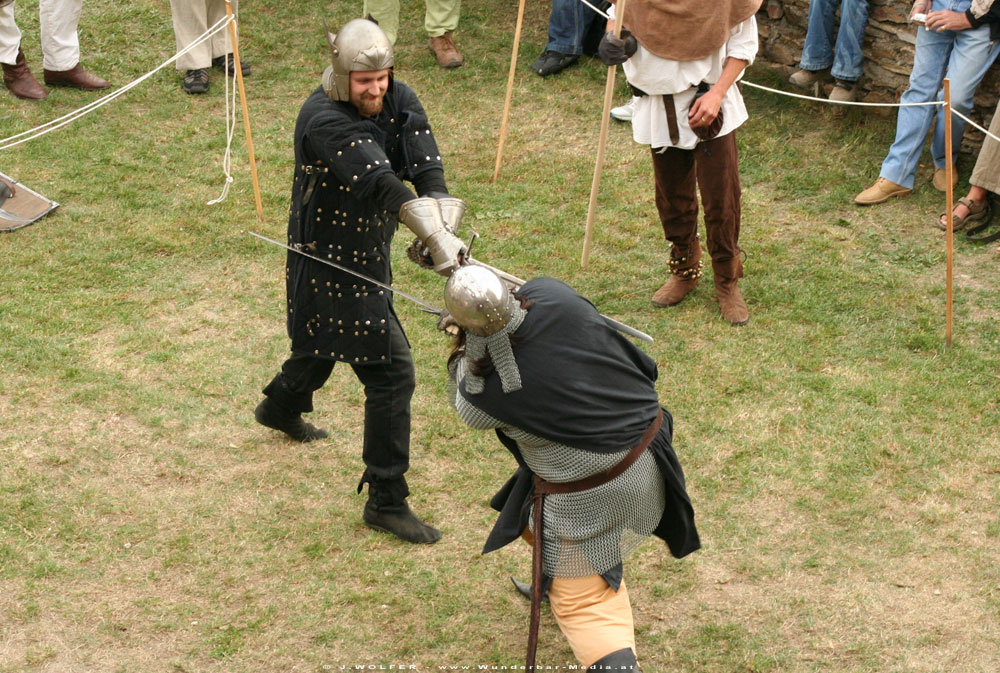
column 568, row 25
column 820, row 52
column 963, row 56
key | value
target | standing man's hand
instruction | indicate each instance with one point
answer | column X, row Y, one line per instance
column 616, row 50
column 945, row 19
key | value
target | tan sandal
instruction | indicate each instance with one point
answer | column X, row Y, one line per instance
column 978, row 210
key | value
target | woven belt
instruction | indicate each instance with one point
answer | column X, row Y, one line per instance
column 543, row 488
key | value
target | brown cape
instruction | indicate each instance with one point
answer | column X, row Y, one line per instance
column 685, row 30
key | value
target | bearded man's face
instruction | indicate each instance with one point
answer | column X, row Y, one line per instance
column 368, row 89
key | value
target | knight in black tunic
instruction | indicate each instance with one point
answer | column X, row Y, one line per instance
column 575, row 403
column 357, row 137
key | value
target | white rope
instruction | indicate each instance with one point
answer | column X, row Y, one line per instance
column 227, row 157
column 601, row 13
column 839, row 102
column 100, row 102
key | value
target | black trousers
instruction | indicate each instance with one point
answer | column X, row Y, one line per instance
column 388, row 389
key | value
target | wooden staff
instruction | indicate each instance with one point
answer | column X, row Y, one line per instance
column 609, row 90
column 246, row 112
column 949, row 206
column 510, row 89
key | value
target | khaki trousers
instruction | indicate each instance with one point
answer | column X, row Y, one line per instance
column 191, row 19
column 440, row 16
column 58, row 21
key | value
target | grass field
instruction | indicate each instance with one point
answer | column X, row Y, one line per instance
column 843, row 461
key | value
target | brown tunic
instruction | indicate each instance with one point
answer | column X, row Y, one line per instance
column 685, row 30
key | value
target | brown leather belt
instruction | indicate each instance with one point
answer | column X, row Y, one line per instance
column 671, row 110
column 543, row 488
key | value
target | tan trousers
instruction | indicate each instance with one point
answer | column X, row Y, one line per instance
column 191, row 19
column 986, row 174
column 440, row 16
column 596, row 619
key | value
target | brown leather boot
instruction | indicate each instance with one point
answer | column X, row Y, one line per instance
column 76, row 77
column 727, row 273
column 685, row 270
column 21, row 82
column 445, row 51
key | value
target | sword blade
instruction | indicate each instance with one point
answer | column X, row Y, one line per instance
column 517, row 282
column 427, row 307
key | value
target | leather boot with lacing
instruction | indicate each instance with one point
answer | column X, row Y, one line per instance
column 21, row 82
column 685, row 270
column 727, row 273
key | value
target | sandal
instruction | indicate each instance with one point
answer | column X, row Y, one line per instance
column 977, row 211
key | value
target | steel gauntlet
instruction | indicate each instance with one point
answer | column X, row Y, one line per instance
column 424, row 218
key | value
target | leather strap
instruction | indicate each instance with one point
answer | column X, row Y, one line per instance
column 671, row 110
column 543, row 488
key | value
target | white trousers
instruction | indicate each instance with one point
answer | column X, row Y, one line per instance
column 58, row 20
column 191, row 19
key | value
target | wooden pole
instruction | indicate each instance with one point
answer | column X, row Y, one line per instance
column 609, row 90
column 238, row 68
column 949, row 206
column 510, row 90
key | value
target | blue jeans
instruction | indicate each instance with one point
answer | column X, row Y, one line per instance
column 963, row 56
column 568, row 25
column 820, row 52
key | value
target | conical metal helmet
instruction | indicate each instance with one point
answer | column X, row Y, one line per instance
column 359, row 46
column 478, row 300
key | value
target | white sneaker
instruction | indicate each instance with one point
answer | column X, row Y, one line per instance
column 623, row 113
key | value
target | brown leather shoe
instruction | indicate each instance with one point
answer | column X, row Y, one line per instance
column 445, row 51
column 21, row 82
column 673, row 291
column 880, row 192
column 75, row 77
column 727, row 274
column 940, row 180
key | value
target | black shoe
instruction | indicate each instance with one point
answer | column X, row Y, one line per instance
column 225, row 63
column 401, row 522
column 525, row 590
column 196, row 81
column 271, row 415
column 551, row 62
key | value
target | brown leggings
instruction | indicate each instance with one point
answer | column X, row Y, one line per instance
column 711, row 168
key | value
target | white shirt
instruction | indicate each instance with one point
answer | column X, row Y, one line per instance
column 657, row 76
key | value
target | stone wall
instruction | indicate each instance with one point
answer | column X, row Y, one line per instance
column 888, row 50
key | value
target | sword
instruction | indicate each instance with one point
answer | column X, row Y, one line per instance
column 424, row 305
column 517, row 282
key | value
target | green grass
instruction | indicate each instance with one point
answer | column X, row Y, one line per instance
column 844, row 462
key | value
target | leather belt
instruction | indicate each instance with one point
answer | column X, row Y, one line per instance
column 671, row 110
column 543, row 488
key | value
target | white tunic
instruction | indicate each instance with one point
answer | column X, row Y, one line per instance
column 657, row 76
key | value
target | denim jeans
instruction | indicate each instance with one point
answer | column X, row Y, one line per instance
column 820, row 51
column 962, row 56
column 568, row 25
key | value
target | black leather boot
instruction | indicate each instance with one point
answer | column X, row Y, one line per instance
column 387, row 511
column 620, row 660
column 269, row 414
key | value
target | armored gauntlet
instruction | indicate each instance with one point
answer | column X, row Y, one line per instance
column 423, row 217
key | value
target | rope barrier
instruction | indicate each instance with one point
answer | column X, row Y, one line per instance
column 863, row 104
column 50, row 126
